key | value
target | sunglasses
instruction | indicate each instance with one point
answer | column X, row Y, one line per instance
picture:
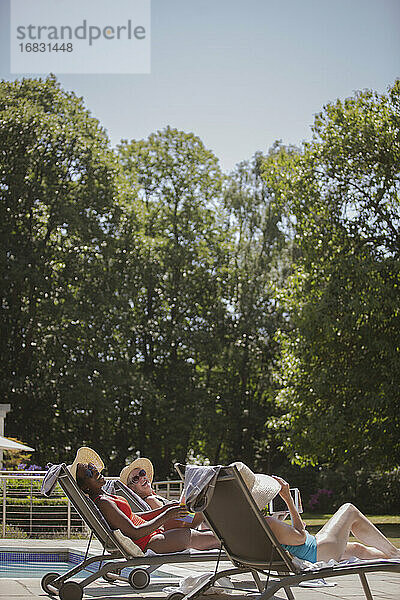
column 90, row 470
column 135, row 478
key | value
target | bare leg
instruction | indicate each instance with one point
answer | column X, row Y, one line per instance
column 333, row 538
column 176, row 540
column 361, row 551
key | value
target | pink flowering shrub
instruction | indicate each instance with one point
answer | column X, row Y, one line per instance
column 321, row 501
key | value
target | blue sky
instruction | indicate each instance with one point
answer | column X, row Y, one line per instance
column 241, row 74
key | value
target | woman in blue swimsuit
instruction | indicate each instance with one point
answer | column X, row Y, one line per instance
column 332, row 541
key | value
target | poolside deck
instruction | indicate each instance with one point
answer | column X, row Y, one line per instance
column 383, row 586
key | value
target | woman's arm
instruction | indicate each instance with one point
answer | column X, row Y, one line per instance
column 150, row 514
column 285, row 533
column 118, row 520
column 294, row 534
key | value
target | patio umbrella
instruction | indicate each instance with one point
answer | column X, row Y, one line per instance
column 6, row 444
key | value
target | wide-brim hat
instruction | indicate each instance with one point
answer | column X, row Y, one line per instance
column 138, row 463
column 86, row 455
column 262, row 487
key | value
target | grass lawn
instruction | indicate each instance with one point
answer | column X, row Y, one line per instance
column 388, row 524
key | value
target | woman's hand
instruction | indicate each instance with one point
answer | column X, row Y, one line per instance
column 176, row 512
column 297, row 529
column 285, row 488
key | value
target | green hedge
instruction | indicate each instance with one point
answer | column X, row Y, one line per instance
column 23, row 485
column 35, row 501
column 373, row 492
column 48, row 514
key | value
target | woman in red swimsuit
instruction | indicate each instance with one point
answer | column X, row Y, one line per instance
column 145, row 529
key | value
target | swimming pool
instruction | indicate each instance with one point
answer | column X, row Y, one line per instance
column 17, row 564
column 25, row 563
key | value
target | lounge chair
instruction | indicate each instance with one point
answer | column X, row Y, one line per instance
column 137, row 504
column 115, row 486
column 252, row 547
column 119, row 551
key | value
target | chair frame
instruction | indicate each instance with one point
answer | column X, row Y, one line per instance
column 136, row 503
column 114, row 555
column 281, row 571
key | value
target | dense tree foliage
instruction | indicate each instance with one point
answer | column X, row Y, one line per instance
column 57, row 219
column 152, row 304
column 173, row 286
column 245, row 390
column 340, row 367
column 202, row 363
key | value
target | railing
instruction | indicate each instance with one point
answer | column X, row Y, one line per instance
column 25, row 513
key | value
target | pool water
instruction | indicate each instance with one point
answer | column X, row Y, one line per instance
column 17, row 564
column 36, row 569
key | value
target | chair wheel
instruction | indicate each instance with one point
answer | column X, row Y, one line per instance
column 139, row 579
column 175, row 596
column 46, row 579
column 70, row 591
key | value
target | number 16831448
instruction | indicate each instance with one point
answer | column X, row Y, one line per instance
column 46, row 47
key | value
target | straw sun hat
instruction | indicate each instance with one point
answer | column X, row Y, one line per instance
column 263, row 488
column 86, row 455
column 138, row 463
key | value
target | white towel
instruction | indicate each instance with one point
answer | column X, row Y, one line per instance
column 50, row 480
column 186, row 585
column 199, row 486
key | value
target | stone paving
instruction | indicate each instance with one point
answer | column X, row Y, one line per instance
column 384, row 586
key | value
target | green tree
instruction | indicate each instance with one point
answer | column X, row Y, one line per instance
column 175, row 247
column 239, row 375
column 340, row 367
column 58, row 215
